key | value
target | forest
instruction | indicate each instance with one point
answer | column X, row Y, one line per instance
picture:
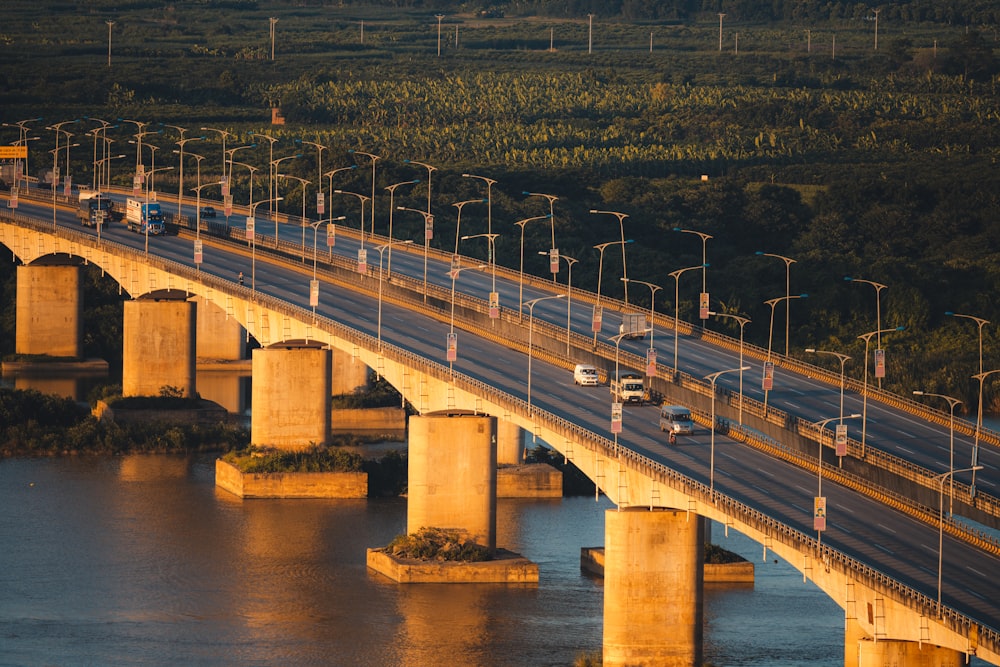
column 800, row 139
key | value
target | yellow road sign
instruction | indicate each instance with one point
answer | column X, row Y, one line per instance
column 13, row 152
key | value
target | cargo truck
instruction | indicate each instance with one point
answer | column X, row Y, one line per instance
column 633, row 326
column 143, row 217
column 627, row 388
column 94, row 208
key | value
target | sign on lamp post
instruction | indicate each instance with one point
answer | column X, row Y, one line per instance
column 362, row 260
column 452, row 347
column 880, row 363
column 768, row 383
column 251, row 224
column 616, row 417
column 596, row 321
column 331, row 235
column 819, row 513
column 651, row 362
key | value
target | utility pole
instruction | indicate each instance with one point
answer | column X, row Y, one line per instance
column 876, row 11
column 720, row 32
column 590, row 33
column 439, row 17
column 110, row 23
column 273, row 21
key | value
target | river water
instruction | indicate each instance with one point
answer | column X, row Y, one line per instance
column 140, row 560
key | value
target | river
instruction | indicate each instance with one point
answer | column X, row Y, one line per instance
column 140, row 560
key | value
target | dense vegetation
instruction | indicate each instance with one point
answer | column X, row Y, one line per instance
column 440, row 544
column 875, row 163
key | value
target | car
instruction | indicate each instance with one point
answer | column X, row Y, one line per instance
column 207, row 211
column 585, row 375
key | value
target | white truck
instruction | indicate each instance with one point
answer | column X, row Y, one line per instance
column 633, row 326
column 143, row 217
column 627, row 388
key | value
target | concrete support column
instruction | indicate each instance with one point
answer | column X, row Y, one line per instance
column 49, row 311
column 653, row 590
column 453, row 475
column 220, row 338
column 350, row 375
column 510, row 443
column 159, row 347
column 290, row 397
column 893, row 653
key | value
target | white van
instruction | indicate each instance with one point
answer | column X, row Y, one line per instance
column 585, row 375
column 676, row 419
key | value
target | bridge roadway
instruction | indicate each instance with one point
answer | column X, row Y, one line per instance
column 890, row 542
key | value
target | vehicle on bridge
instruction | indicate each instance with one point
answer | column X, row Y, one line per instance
column 676, row 419
column 207, row 212
column 144, row 217
column 633, row 326
column 627, row 388
column 585, row 375
column 94, row 208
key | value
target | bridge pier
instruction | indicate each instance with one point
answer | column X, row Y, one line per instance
column 653, row 590
column 219, row 337
column 894, row 653
column 158, row 347
column 510, row 443
column 452, row 475
column 49, row 311
column 350, row 374
column 290, row 397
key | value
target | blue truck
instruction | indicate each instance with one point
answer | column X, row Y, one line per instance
column 144, row 218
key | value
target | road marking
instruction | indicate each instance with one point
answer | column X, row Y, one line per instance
column 928, row 571
column 841, row 528
column 904, row 433
column 974, row 571
column 887, row 528
column 801, row 509
column 764, row 491
column 977, row 595
column 879, row 546
column 904, row 449
column 765, row 472
column 803, row 489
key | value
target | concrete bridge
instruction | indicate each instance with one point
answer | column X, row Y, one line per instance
column 653, row 542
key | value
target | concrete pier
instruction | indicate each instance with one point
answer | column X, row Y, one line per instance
column 290, row 396
column 510, row 443
column 49, row 311
column 158, row 347
column 452, row 475
column 890, row 653
column 219, row 338
column 350, row 375
column 653, row 592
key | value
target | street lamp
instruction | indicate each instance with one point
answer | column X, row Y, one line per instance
column 392, row 207
column 227, row 178
column 452, row 343
column 553, row 268
column 531, row 324
column 491, row 239
column 319, row 171
column 601, row 247
column 940, row 480
column 520, row 282
column 180, row 182
column 270, row 161
column 704, row 261
column 252, row 235
column 329, row 176
column 653, row 289
column 975, row 450
column 380, row 249
column 788, row 285
column 430, row 171
column 742, row 321
column 302, row 222
column 843, row 360
column 979, row 410
column 363, row 199
column 314, row 285
column 621, row 229
column 712, row 377
column 374, row 159
column 428, row 233
column 769, row 366
column 570, row 261
column 878, row 308
column 458, row 224
column 274, row 187
column 146, row 226
column 676, row 275
column 819, row 520
column 197, row 222
column 952, row 402
column 101, row 165
column 489, row 203
column 864, row 393
column 223, row 134
column 251, row 169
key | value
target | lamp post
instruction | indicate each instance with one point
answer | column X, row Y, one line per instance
column 363, row 199
column 616, row 402
column 251, row 232
column 392, row 208
column 653, row 289
column 374, row 159
column 975, row 450
column 742, row 321
column 252, row 169
column 430, row 171
column 554, row 252
column 314, row 285
column 57, row 128
column 520, row 281
column 489, row 203
column 788, row 286
column 940, row 480
column 491, row 239
column 197, row 222
column 458, row 224
column 138, row 134
column 270, row 161
column 621, row 229
column 428, row 233
column 531, row 324
column 180, row 183
column 819, row 519
column 380, row 249
column 274, row 187
column 769, row 366
column 843, row 358
column 22, row 127
column 303, row 221
column 980, row 322
column 223, row 134
column 319, row 171
column 878, row 308
column 601, row 247
column 704, row 261
column 676, row 275
column 227, row 178
column 570, row 261
column 712, row 377
column 329, row 176
column 451, row 345
column 864, row 393
column 952, row 402
column 146, row 226
column 101, row 166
